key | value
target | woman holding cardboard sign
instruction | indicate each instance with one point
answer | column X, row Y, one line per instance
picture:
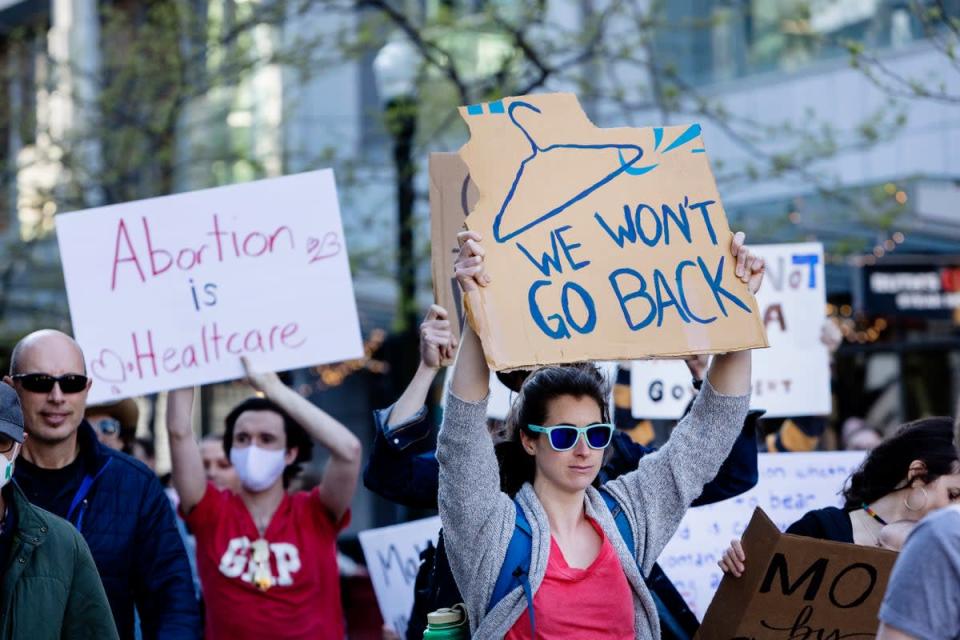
column 565, row 558
column 902, row 480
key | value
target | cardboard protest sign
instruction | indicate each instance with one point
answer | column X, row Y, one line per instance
column 170, row 292
column 796, row 587
column 602, row 244
column 452, row 196
column 792, row 377
column 393, row 558
column 790, row 485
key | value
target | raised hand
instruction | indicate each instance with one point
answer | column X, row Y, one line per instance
column 261, row 381
column 750, row 267
column 469, row 268
column 437, row 343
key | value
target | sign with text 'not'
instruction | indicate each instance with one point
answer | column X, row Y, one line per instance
column 602, row 244
column 170, row 292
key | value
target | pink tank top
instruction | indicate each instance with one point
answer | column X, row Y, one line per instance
column 595, row 602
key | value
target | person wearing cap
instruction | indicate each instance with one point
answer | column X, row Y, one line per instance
column 49, row 587
column 115, row 423
column 114, row 501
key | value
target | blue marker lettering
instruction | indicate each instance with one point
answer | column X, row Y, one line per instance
column 810, row 259
column 702, row 208
column 665, row 297
column 591, row 320
column 683, row 298
column 568, row 248
column 623, row 299
column 714, row 282
column 558, row 332
column 629, row 232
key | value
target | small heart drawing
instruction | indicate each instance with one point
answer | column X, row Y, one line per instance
column 109, row 367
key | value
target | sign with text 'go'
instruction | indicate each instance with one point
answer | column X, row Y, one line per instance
column 170, row 292
column 792, row 377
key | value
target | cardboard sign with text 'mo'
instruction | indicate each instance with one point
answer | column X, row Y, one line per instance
column 602, row 244
column 796, row 587
column 170, row 292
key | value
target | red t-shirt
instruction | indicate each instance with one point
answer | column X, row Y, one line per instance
column 595, row 602
column 304, row 598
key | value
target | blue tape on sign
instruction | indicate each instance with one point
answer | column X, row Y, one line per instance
column 475, row 109
column 698, row 151
column 496, row 107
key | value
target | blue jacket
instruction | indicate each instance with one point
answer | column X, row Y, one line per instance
column 129, row 525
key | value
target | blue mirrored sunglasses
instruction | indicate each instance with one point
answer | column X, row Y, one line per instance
column 563, row 437
column 107, row 426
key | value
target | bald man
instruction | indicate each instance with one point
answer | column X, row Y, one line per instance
column 116, row 502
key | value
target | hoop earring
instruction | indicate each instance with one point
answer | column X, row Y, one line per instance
column 926, row 498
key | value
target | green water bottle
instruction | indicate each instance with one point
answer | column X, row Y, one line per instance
column 447, row 624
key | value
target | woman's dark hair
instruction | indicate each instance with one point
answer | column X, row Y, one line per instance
column 296, row 435
column 929, row 440
column 581, row 380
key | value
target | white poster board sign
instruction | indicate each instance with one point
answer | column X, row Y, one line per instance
column 393, row 558
column 170, row 292
column 792, row 377
column 790, row 485
column 660, row 389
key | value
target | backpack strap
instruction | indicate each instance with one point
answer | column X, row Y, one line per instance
column 620, row 518
column 671, row 627
column 515, row 570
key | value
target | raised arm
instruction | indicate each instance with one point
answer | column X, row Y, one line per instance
column 471, row 376
column 402, row 467
column 436, row 345
column 473, row 509
column 188, row 477
column 658, row 492
column 343, row 468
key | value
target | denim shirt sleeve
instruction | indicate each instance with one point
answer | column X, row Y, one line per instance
column 403, row 464
column 415, row 429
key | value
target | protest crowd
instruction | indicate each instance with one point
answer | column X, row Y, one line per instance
column 553, row 521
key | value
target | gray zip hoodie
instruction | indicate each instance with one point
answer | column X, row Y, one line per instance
column 478, row 519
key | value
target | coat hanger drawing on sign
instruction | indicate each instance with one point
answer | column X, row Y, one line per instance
column 627, row 165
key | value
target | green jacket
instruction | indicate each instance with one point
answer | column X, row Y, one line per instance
column 50, row 587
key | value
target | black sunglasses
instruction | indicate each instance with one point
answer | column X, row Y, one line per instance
column 43, row 383
column 6, row 443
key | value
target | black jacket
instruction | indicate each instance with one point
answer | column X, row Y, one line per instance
column 129, row 525
column 829, row 523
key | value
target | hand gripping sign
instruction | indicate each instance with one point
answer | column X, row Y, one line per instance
column 602, row 244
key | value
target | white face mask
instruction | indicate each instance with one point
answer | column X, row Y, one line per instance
column 258, row 468
column 6, row 466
